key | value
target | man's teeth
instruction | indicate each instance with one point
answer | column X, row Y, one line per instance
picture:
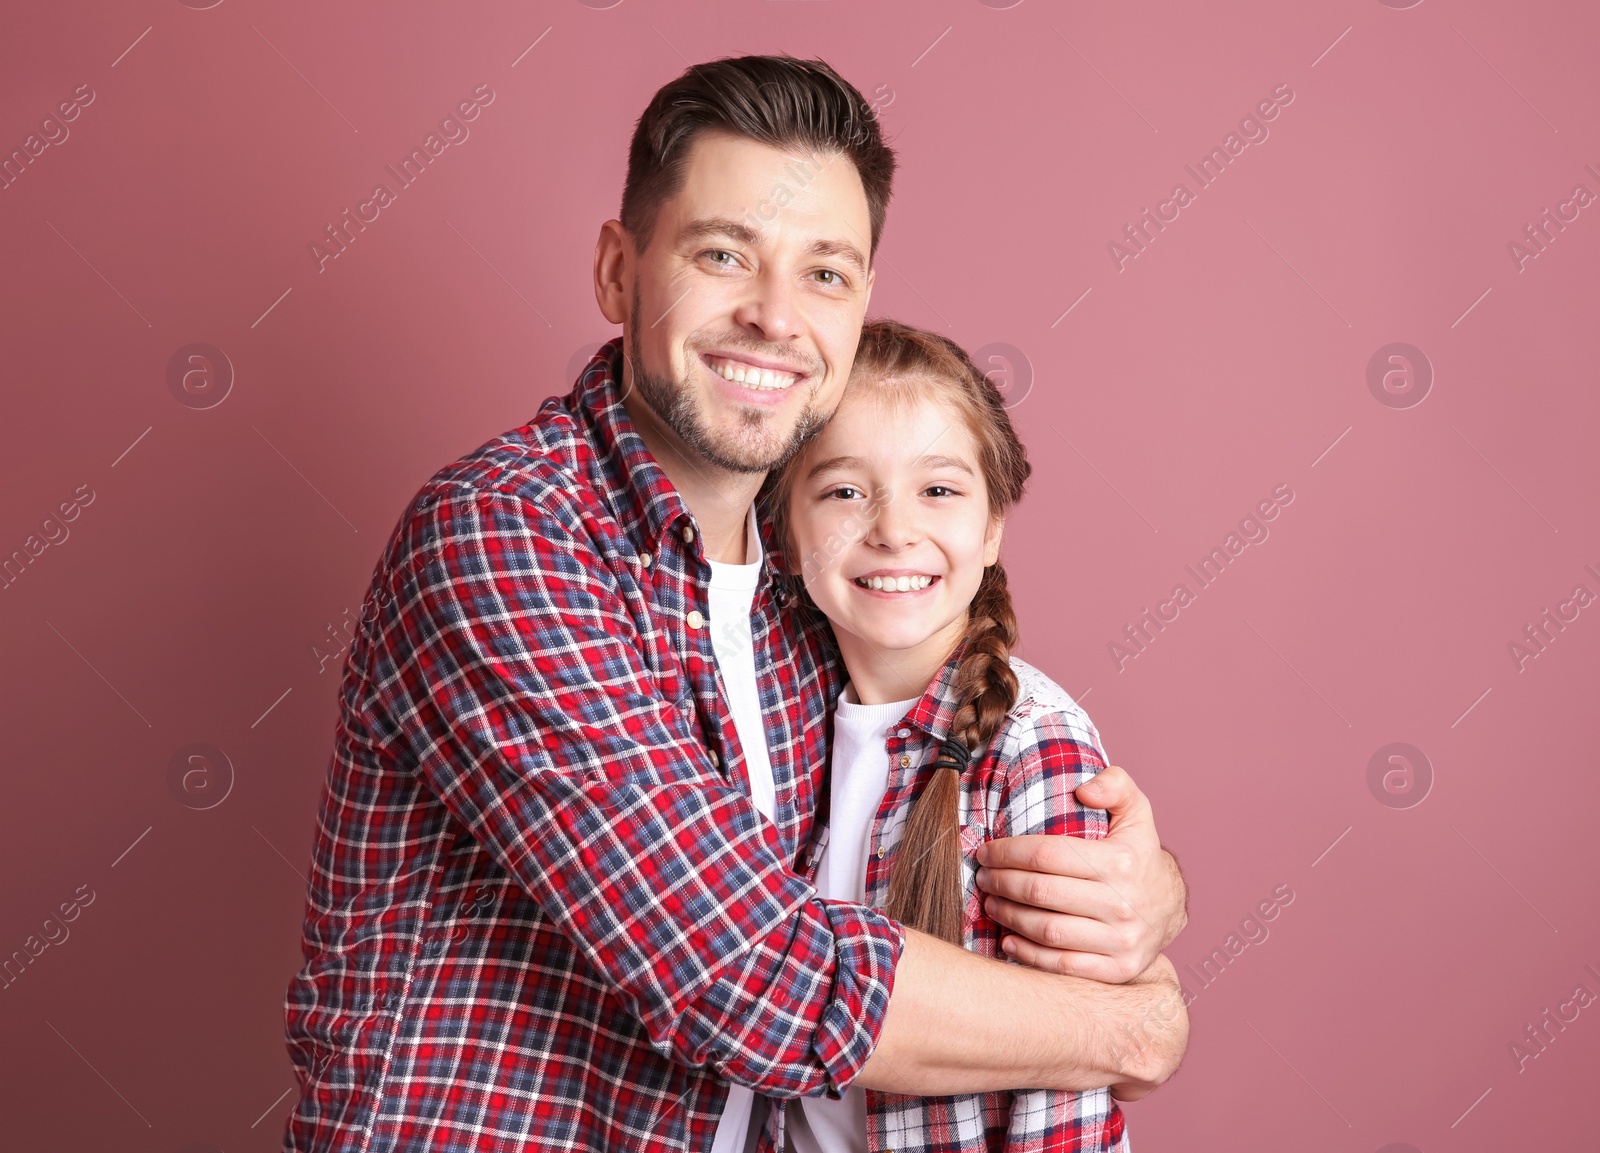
column 900, row 584
column 750, row 376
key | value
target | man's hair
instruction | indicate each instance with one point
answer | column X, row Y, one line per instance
column 785, row 103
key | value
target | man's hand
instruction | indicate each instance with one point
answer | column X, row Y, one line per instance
column 1097, row 909
column 1156, row 1045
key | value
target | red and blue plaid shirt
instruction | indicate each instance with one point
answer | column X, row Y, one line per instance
column 543, row 913
column 1022, row 781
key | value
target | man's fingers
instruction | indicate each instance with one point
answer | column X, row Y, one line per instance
column 1112, row 788
column 1067, row 962
column 1051, row 853
column 1054, row 931
column 1086, row 896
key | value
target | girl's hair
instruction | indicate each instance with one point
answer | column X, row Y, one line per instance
column 902, row 365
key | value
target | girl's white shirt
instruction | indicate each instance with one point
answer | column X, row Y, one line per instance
column 859, row 777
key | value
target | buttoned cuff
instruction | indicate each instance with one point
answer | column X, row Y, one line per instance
column 869, row 945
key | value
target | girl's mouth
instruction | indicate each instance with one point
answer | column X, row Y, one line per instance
column 894, row 584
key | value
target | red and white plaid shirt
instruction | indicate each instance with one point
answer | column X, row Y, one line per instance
column 1021, row 782
column 543, row 913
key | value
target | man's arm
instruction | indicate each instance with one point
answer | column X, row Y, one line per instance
column 1098, row 909
column 506, row 664
column 961, row 1023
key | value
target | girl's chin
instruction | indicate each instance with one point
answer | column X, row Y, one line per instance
column 889, row 639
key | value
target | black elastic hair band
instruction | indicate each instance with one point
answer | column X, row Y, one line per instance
column 953, row 755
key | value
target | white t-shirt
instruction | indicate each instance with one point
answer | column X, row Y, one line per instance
column 732, row 591
column 859, row 777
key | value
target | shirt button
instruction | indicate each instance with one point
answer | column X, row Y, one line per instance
column 716, row 760
column 688, row 534
column 880, row 852
column 901, row 733
column 694, row 619
column 905, row 760
column 645, row 559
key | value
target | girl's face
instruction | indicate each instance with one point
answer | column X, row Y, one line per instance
column 891, row 520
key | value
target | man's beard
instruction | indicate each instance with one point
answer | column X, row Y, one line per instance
column 673, row 403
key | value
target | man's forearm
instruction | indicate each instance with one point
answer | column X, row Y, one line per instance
column 961, row 1023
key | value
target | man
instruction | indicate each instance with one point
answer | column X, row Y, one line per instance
column 556, row 899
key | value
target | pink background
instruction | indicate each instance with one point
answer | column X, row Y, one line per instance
column 198, row 593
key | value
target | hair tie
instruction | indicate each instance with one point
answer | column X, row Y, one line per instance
column 952, row 755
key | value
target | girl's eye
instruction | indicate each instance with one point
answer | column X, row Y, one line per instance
column 844, row 491
column 940, row 490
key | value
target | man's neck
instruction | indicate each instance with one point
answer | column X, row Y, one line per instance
column 719, row 499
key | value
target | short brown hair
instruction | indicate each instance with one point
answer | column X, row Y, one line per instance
column 780, row 101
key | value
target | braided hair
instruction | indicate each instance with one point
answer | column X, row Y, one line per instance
column 904, row 365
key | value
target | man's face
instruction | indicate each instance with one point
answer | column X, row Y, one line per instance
column 747, row 307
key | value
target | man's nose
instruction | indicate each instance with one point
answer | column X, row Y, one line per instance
column 771, row 309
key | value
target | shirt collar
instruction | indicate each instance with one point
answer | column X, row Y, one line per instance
column 936, row 708
column 646, row 497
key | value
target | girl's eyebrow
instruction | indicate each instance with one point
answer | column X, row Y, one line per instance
column 840, row 463
column 947, row 462
column 835, row 464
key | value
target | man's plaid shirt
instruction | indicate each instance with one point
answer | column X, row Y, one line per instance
column 1023, row 781
column 543, row 913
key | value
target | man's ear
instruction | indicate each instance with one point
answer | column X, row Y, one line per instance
column 613, row 271
column 991, row 539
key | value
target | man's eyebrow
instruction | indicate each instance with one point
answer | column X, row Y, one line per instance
column 849, row 253
column 712, row 226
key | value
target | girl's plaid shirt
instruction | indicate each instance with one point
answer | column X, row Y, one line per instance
column 1021, row 782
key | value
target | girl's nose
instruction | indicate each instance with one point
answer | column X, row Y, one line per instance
column 893, row 523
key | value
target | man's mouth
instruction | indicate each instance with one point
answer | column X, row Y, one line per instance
column 753, row 376
column 904, row 583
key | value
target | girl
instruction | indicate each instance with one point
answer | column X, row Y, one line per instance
column 890, row 522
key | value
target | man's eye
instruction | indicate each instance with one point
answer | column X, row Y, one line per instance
column 837, row 279
column 716, row 252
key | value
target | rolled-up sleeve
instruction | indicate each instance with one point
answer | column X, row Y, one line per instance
column 510, row 664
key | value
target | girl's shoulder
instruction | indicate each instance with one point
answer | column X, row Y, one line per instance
column 1045, row 710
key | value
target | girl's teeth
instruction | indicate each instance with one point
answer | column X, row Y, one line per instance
column 752, row 377
column 901, row 584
